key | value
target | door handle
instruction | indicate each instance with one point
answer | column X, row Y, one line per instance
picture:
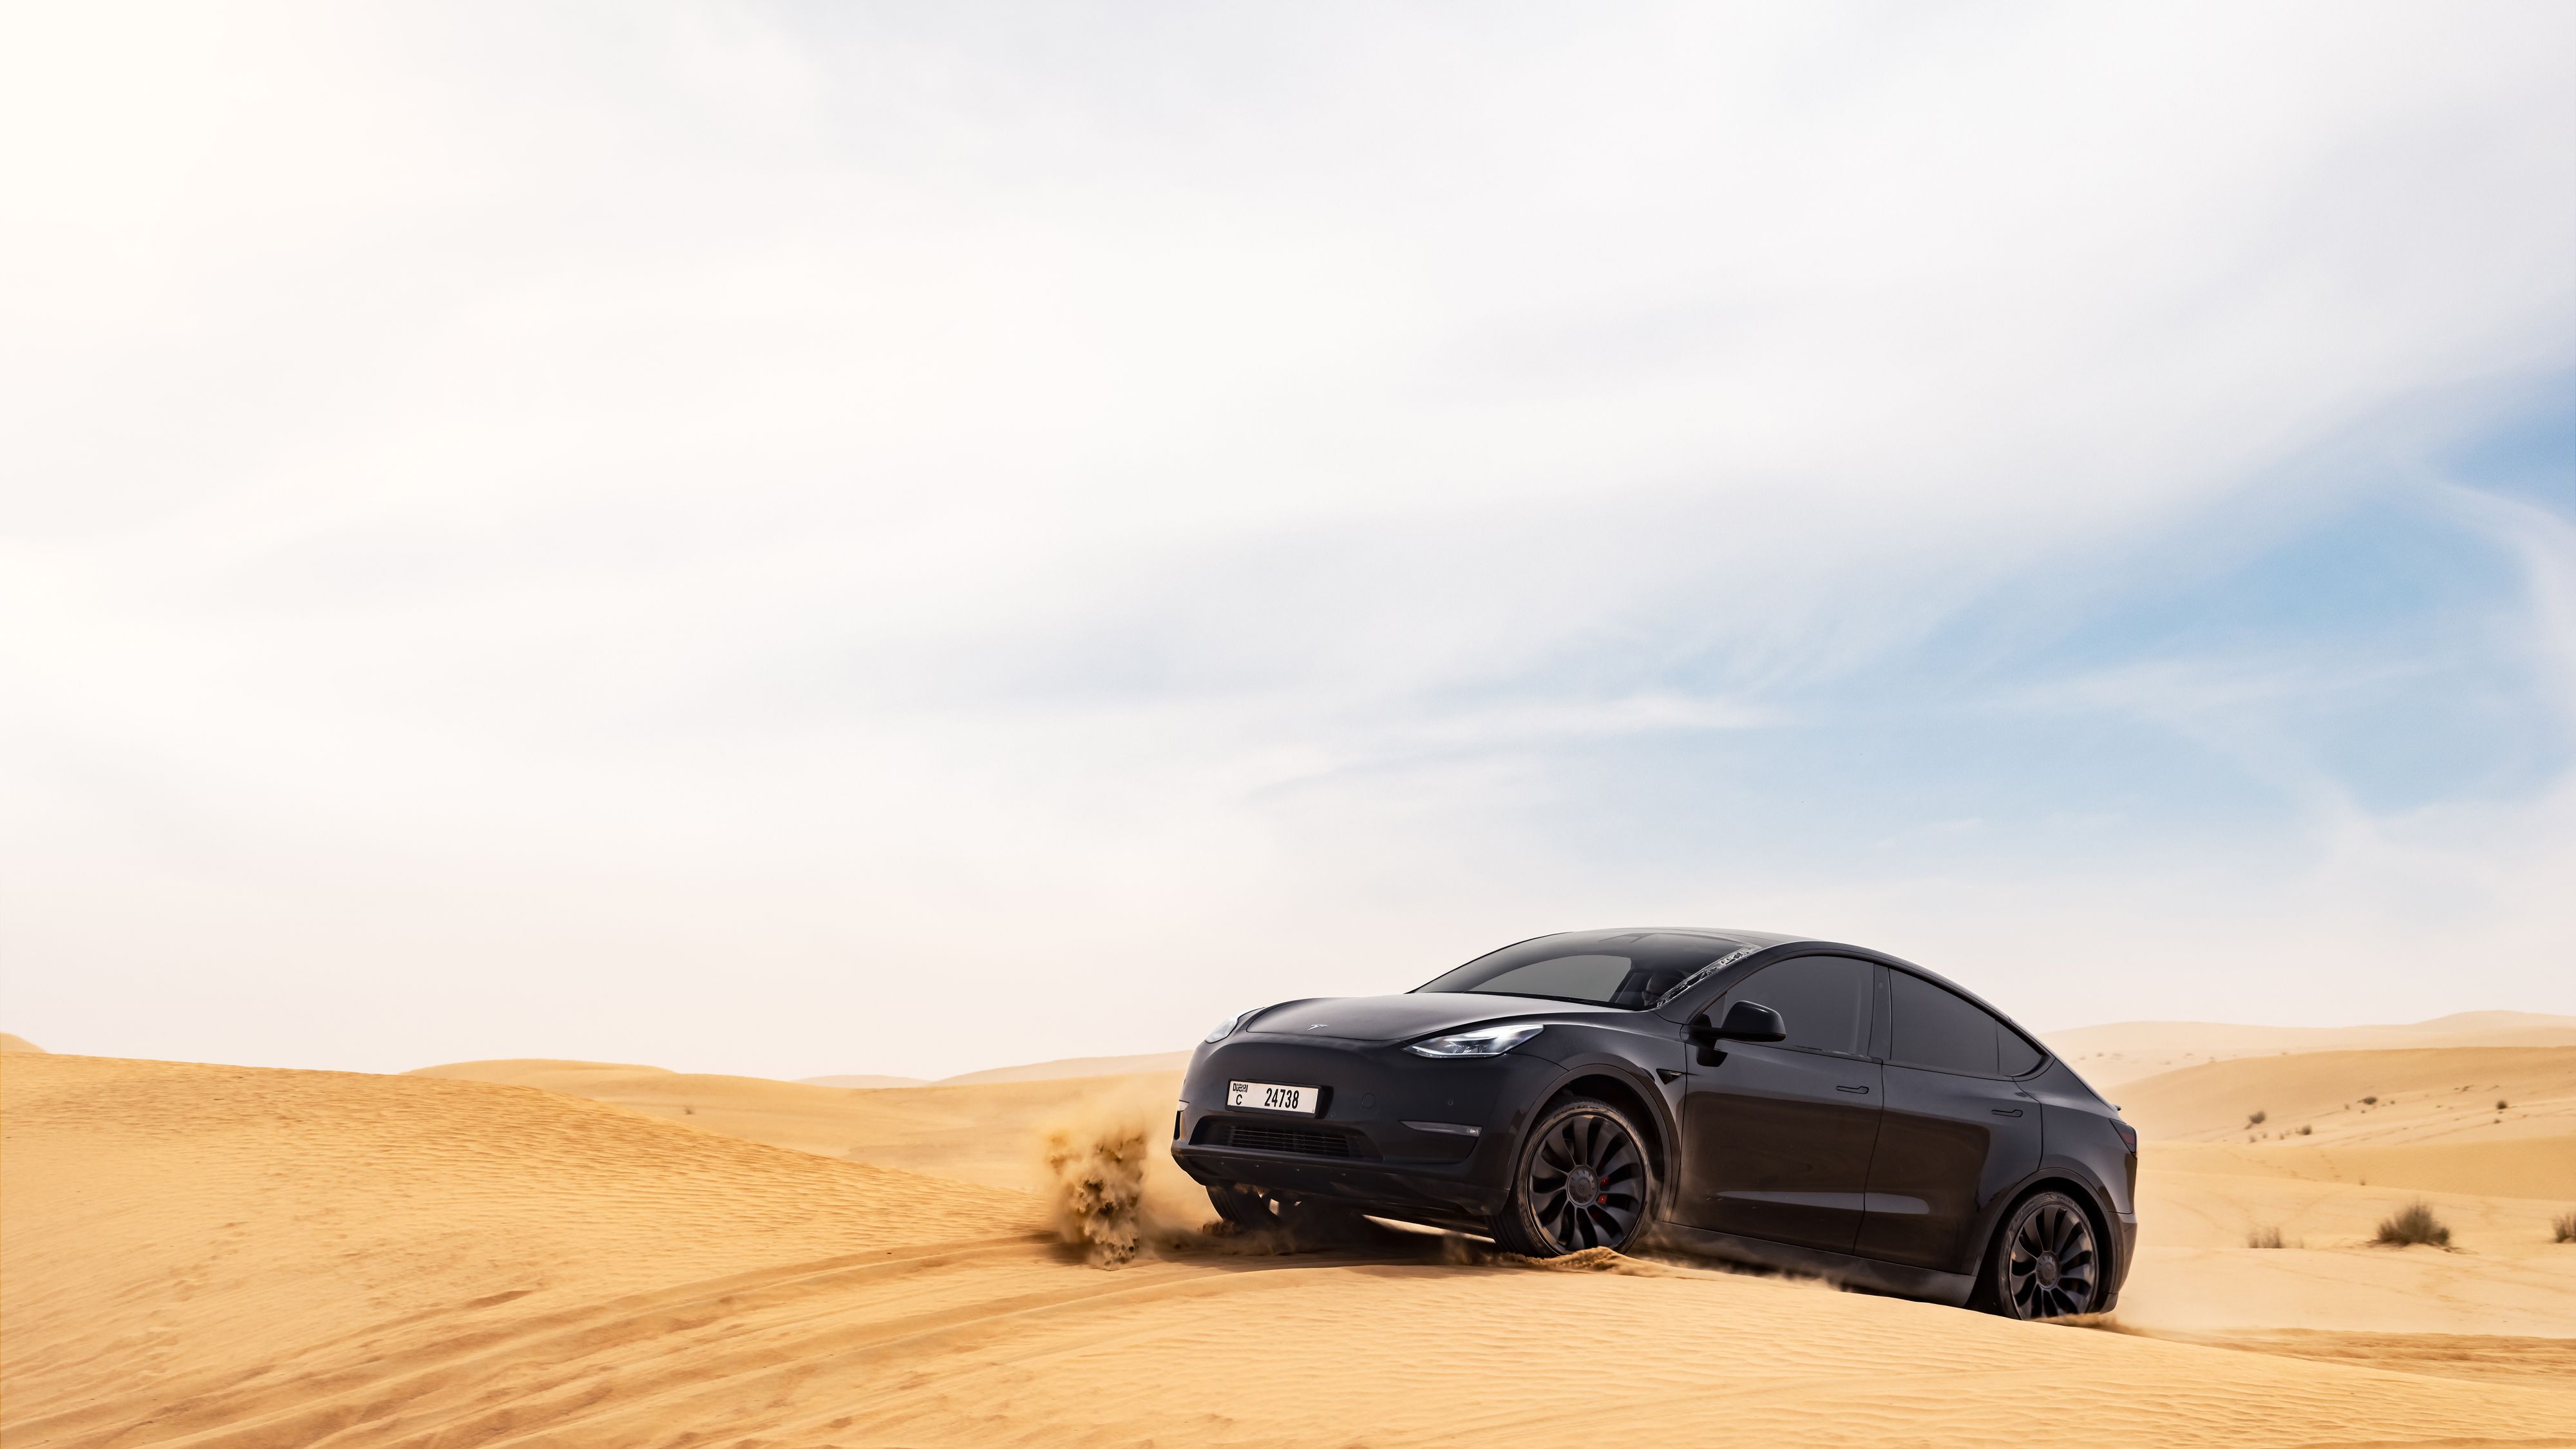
column 2006, row 1111
column 1864, row 1091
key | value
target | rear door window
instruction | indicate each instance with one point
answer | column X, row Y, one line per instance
column 1823, row 1001
column 1942, row 1030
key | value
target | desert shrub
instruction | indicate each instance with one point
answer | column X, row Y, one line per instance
column 2414, row 1223
column 2563, row 1228
column 2305, row 1129
column 2500, row 1104
column 2263, row 1238
column 2255, row 1120
column 2370, row 1101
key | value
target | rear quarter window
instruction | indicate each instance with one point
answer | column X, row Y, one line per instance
column 2015, row 1056
column 1941, row 1030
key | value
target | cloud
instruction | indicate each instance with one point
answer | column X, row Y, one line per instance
column 706, row 536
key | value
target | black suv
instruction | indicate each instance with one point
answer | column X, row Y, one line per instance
column 1789, row 1103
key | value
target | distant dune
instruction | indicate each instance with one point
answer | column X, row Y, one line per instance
column 2106, row 1055
column 9, row 1043
column 2345, row 1098
column 223, row 1255
column 1074, row 1067
column 978, row 1132
column 1033, row 1072
column 570, row 1076
column 2127, row 1050
column 552, row 1073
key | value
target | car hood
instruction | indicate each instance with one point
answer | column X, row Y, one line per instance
column 1398, row 1018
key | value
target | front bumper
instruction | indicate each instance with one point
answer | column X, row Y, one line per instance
column 1357, row 1149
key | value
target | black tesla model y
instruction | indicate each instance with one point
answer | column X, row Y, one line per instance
column 1788, row 1103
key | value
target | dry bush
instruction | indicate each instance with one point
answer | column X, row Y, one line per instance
column 2255, row 1120
column 2563, row 1228
column 2263, row 1238
column 2500, row 1104
column 2304, row 1129
column 2414, row 1223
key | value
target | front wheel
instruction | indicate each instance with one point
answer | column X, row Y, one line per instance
column 1583, row 1181
column 2045, row 1262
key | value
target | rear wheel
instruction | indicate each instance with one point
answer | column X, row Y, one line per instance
column 1583, row 1181
column 2045, row 1262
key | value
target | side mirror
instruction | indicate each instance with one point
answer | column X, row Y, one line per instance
column 1748, row 1021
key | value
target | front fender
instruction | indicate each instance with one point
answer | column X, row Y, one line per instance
column 1658, row 1098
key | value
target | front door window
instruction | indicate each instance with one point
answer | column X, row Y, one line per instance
column 1777, row 1137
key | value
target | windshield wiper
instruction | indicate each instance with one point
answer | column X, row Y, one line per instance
column 1705, row 972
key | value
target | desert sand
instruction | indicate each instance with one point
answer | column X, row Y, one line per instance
column 2125, row 1051
column 575, row 1254
column 1033, row 1072
column 982, row 1134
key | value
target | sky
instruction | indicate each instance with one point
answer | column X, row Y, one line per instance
column 819, row 539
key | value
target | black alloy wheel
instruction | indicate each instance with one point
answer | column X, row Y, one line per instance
column 2046, row 1263
column 1584, row 1181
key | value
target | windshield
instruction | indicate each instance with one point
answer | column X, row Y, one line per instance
column 1636, row 970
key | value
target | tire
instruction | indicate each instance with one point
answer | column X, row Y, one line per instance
column 1582, row 1180
column 2045, row 1262
column 1241, row 1206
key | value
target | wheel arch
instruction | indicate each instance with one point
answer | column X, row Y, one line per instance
column 1605, row 1083
column 2087, row 1195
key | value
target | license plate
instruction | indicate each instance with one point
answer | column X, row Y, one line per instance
column 1272, row 1097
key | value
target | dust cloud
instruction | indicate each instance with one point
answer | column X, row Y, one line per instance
column 1112, row 1186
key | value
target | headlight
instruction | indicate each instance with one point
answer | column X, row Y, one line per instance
column 1484, row 1041
column 1225, row 1028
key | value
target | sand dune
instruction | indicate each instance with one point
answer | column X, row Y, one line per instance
column 976, row 1133
column 398, row 1260
column 1074, row 1067
column 2125, row 1051
column 2209, row 1179
column 550, row 1074
column 1058, row 1070
column 2199, row 1205
column 2498, row 1185
column 10, row 1043
column 2350, row 1098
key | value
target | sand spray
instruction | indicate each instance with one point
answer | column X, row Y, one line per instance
column 1111, row 1181
column 1115, row 1193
